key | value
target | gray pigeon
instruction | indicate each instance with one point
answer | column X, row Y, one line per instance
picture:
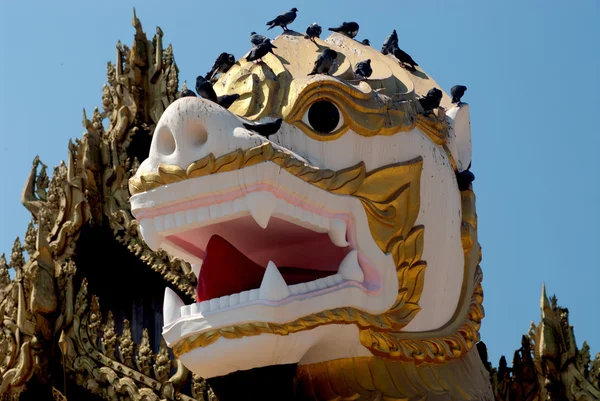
column 283, row 20
column 390, row 43
column 257, row 39
column 261, row 50
column 221, row 65
column 204, row 89
column 363, row 69
column 227, row 100
column 313, row 31
column 265, row 129
column 186, row 93
column 405, row 59
column 457, row 92
column 349, row 29
column 431, row 100
column 324, row 62
column 366, row 42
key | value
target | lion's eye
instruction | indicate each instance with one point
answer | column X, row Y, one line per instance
column 323, row 117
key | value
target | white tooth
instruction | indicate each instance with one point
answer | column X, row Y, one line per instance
column 294, row 290
column 190, row 216
column 261, row 205
column 239, row 205
column 186, row 310
column 195, row 308
column 337, row 232
column 350, row 269
column 215, row 211
column 302, row 288
column 180, row 219
column 224, row 302
column 205, row 306
column 171, row 306
column 227, row 208
column 202, row 213
column 150, row 235
column 338, row 278
column 196, row 269
column 214, row 304
column 307, row 216
column 234, row 299
column 244, row 296
column 321, row 284
column 159, row 223
column 273, row 286
column 330, row 280
column 253, row 294
column 169, row 221
column 312, row 285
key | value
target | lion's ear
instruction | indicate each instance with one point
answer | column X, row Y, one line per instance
column 459, row 141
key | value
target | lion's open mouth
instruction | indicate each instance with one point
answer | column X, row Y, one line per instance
column 258, row 247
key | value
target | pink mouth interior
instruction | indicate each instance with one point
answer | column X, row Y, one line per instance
column 240, row 250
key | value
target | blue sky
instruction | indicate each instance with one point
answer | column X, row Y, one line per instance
column 532, row 72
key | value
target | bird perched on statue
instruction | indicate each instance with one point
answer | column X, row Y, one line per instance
column 186, row 93
column 257, row 39
column 390, row 43
column 363, row 69
column 457, row 92
column 265, row 129
column 261, row 50
column 313, row 31
column 227, row 100
column 283, row 20
column 204, row 89
column 221, row 65
column 366, row 42
column 405, row 59
column 431, row 100
column 324, row 62
column 464, row 179
column 349, row 29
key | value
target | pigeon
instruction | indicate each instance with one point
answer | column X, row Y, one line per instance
column 221, row 65
column 204, row 89
column 405, row 58
column 464, row 179
column 431, row 100
column 265, row 129
column 261, row 50
column 283, row 20
column 390, row 43
column 257, row 39
column 313, row 31
column 227, row 100
column 324, row 62
column 363, row 69
column 366, row 42
column 349, row 29
column 457, row 92
column 186, row 93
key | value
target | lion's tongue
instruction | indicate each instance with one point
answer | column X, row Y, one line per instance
column 227, row 271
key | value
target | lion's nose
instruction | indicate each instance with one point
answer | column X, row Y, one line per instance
column 192, row 128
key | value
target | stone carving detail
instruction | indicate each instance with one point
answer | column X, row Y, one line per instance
column 548, row 366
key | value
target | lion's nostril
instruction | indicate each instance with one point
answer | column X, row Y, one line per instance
column 196, row 134
column 165, row 141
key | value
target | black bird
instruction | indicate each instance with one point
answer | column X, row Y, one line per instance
column 324, row 62
column 431, row 100
column 283, row 20
column 261, row 50
column 366, row 42
column 405, row 58
column 221, row 65
column 265, row 129
column 363, row 69
column 187, row 93
column 390, row 43
column 204, row 89
column 227, row 100
column 257, row 39
column 349, row 29
column 464, row 179
column 457, row 92
column 313, row 31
